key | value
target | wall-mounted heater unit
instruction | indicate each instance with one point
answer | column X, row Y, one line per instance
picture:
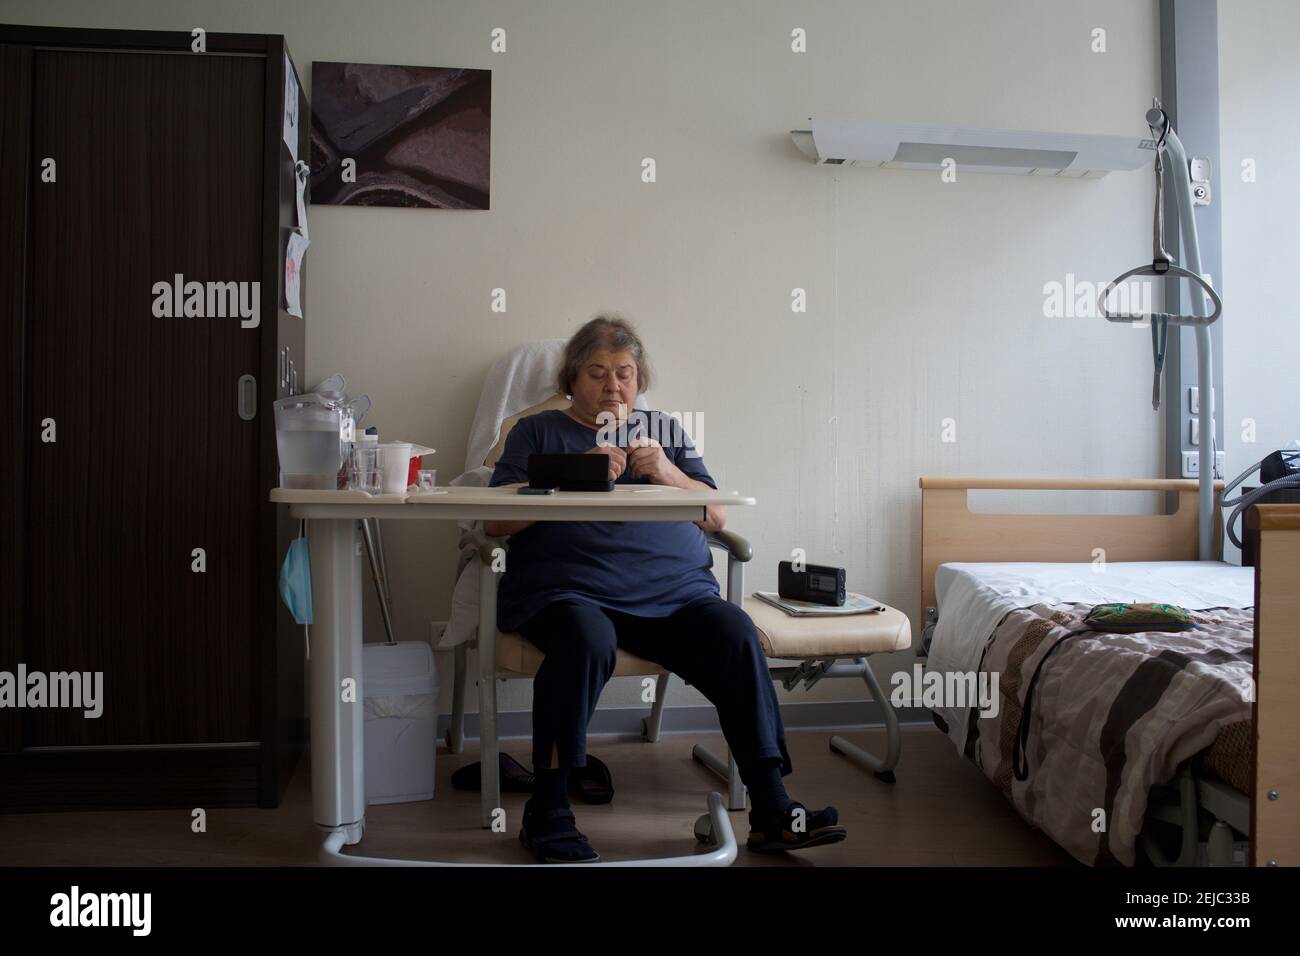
column 1016, row 152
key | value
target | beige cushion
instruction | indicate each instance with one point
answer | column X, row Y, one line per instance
column 516, row 653
column 555, row 401
column 851, row 635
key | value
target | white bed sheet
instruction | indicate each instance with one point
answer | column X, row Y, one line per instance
column 974, row 598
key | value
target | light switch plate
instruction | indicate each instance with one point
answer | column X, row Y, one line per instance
column 1194, row 399
column 1194, row 433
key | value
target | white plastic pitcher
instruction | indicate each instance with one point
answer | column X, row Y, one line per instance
column 310, row 436
column 313, row 433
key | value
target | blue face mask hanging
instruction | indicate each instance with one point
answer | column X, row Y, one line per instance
column 295, row 578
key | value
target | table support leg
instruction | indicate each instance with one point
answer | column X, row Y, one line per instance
column 337, row 719
column 490, row 782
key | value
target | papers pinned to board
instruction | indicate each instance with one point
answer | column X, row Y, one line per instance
column 301, row 170
column 290, row 108
column 299, row 240
column 298, row 243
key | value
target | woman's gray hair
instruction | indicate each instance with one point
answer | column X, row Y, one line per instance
column 607, row 332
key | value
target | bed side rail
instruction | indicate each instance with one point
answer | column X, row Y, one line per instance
column 1275, row 800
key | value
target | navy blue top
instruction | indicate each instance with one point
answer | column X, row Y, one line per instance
column 648, row 568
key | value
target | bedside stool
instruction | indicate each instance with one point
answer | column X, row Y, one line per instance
column 826, row 647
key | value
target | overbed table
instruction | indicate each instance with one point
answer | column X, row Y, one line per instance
column 337, row 726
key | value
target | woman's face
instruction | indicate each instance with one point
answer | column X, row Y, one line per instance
column 605, row 383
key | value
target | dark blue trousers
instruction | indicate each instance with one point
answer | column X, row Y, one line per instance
column 710, row 643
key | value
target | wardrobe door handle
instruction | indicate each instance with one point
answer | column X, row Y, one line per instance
column 247, row 397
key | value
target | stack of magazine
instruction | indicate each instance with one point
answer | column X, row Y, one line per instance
column 854, row 603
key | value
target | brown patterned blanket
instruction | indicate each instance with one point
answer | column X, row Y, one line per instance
column 1110, row 716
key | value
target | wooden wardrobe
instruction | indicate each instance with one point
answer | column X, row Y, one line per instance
column 128, row 158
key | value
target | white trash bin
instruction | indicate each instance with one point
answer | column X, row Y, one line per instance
column 400, row 694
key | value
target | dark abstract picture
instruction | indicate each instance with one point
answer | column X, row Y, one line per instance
column 416, row 136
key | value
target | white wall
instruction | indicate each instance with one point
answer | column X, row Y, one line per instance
column 1259, row 120
column 925, row 298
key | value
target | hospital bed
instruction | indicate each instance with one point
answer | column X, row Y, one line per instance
column 1112, row 742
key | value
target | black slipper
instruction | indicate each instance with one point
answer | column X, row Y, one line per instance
column 592, row 783
column 776, row 834
column 554, row 836
column 514, row 778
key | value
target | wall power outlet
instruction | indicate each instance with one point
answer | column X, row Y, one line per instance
column 1192, row 464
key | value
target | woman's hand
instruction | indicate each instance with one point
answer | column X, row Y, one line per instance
column 646, row 459
column 617, row 459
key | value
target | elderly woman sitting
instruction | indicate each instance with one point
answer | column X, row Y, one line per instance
column 581, row 590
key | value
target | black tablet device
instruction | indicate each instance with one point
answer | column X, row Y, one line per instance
column 570, row 472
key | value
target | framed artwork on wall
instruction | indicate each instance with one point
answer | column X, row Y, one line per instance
column 414, row 136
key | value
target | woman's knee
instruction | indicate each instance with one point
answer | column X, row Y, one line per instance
column 580, row 632
column 733, row 627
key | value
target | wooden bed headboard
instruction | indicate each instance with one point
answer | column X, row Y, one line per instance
column 950, row 531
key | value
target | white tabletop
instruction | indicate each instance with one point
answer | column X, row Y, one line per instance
column 623, row 503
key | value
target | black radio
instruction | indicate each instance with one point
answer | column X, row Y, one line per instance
column 815, row 583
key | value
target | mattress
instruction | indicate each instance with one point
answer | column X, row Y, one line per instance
column 973, row 598
column 1116, row 713
column 1083, row 724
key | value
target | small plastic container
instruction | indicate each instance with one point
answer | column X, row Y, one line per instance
column 363, row 470
column 394, row 466
column 399, row 687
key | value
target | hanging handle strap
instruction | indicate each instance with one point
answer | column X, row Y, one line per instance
column 1162, row 264
column 1159, row 339
column 1160, row 260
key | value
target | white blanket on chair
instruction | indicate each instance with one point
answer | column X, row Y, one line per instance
column 522, row 379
